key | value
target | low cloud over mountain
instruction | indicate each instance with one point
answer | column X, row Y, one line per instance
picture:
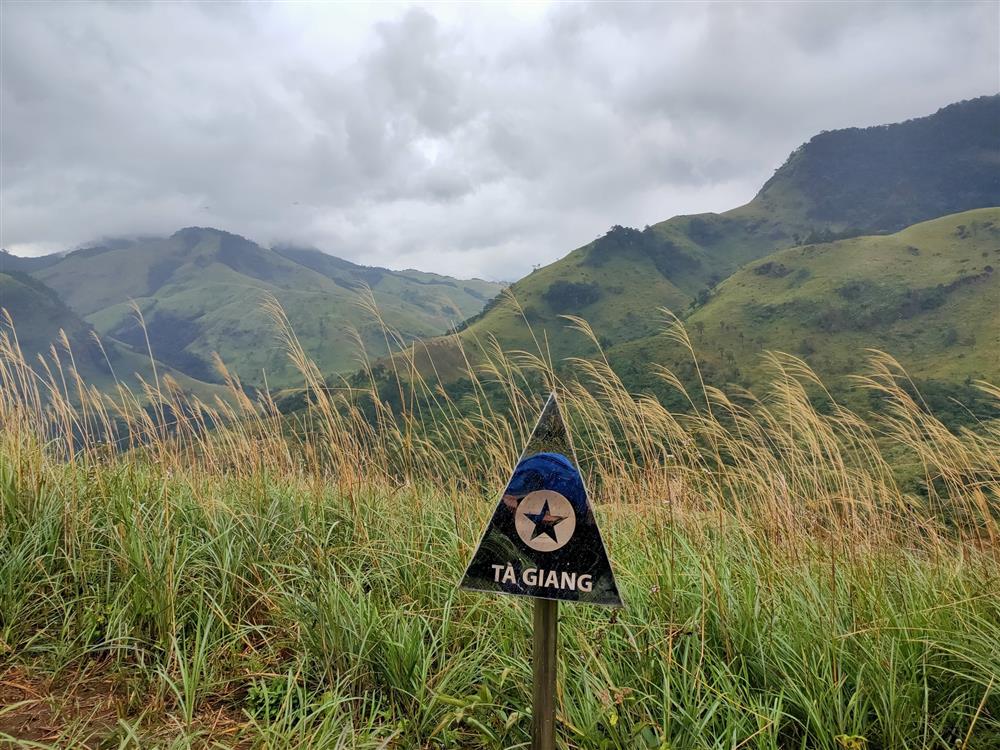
column 466, row 140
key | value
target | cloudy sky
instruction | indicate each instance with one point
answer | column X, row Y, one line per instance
column 469, row 139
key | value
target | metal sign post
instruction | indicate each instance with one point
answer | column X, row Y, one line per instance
column 543, row 542
column 543, row 692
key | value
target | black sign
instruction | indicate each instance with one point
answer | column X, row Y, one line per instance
column 543, row 539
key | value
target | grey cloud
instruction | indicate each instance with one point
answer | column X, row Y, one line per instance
column 460, row 139
column 412, row 67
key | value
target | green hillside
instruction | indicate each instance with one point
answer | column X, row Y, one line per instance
column 39, row 315
column 840, row 184
column 201, row 291
column 929, row 295
column 12, row 263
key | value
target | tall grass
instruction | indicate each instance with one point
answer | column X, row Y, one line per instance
column 784, row 589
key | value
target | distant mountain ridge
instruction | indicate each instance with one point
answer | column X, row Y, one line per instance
column 345, row 273
column 10, row 263
column 844, row 183
column 201, row 291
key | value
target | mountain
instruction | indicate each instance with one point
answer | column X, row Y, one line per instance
column 39, row 316
column 13, row 263
column 929, row 295
column 844, row 183
column 888, row 177
column 201, row 291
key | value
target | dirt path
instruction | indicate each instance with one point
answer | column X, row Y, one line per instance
column 82, row 710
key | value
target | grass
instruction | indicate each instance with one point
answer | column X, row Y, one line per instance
column 234, row 578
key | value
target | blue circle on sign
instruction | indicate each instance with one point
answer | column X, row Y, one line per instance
column 549, row 471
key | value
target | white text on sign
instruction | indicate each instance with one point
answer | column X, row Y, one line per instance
column 549, row 579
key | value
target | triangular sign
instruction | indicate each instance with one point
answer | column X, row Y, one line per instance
column 543, row 540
